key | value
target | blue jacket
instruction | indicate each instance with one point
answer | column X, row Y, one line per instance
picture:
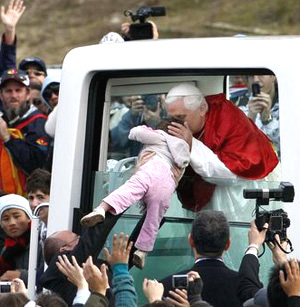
column 123, row 286
column 7, row 55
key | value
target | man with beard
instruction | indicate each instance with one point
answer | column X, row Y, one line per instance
column 23, row 141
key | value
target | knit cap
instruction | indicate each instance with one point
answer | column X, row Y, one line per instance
column 14, row 201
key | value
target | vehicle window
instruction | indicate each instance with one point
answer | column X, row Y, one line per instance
column 140, row 100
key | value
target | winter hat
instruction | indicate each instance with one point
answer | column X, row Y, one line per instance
column 14, row 201
column 111, row 38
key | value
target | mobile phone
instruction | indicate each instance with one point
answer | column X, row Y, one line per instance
column 255, row 88
column 5, row 286
column 180, row 281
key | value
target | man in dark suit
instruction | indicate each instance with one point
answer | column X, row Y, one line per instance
column 250, row 289
column 209, row 239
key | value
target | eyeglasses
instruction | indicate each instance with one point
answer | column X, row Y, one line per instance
column 35, row 72
column 49, row 90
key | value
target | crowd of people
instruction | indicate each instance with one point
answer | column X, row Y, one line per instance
column 197, row 145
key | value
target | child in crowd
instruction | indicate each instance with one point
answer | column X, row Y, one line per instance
column 153, row 182
column 15, row 219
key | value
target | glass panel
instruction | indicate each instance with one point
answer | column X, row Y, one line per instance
column 257, row 96
column 128, row 112
column 147, row 107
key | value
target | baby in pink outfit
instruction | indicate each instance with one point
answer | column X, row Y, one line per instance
column 153, row 183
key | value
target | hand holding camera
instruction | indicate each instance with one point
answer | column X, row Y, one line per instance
column 137, row 105
column 257, row 237
column 153, row 290
column 143, row 29
column 5, row 286
column 277, row 220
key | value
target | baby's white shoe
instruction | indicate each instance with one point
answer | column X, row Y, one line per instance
column 93, row 218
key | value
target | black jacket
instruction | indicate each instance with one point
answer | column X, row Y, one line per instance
column 249, row 282
column 219, row 283
column 91, row 243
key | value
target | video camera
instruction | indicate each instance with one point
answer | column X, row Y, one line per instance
column 277, row 219
column 143, row 30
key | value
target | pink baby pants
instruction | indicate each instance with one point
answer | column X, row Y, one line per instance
column 154, row 184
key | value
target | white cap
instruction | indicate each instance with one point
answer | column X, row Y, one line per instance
column 14, row 201
column 39, row 207
column 111, row 38
column 184, row 89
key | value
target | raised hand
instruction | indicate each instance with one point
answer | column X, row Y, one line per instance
column 18, row 286
column 120, row 250
column 178, row 298
column 14, row 11
column 72, row 271
column 153, row 290
column 97, row 279
column 10, row 18
column 291, row 285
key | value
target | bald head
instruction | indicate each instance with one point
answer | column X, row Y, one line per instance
column 59, row 242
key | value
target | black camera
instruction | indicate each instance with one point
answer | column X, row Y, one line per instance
column 277, row 219
column 150, row 102
column 278, row 223
column 143, row 29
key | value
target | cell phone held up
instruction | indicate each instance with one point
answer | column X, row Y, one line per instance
column 255, row 88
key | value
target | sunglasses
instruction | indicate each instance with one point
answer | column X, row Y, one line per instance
column 35, row 72
column 51, row 89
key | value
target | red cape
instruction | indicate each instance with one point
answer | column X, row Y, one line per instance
column 238, row 143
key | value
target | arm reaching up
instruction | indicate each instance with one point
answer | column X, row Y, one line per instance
column 10, row 18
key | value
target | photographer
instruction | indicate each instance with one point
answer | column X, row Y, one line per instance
column 143, row 29
column 250, row 288
column 263, row 108
column 125, row 29
column 210, row 239
column 144, row 110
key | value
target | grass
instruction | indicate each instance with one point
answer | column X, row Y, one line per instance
column 49, row 29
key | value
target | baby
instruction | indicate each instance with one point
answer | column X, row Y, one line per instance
column 153, row 183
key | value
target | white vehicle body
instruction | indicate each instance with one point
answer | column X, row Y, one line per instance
column 280, row 55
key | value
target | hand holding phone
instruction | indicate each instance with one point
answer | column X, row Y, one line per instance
column 255, row 89
column 5, row 286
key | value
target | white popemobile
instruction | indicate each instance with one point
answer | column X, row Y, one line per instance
column 95, row 77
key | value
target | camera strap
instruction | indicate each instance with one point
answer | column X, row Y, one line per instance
column 275, row 242
column 289, row 243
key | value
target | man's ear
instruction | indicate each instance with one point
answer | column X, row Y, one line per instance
column 28, row 92
column 62, row 249
column 227, row 245
column 191, row 241
column 203, row 107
